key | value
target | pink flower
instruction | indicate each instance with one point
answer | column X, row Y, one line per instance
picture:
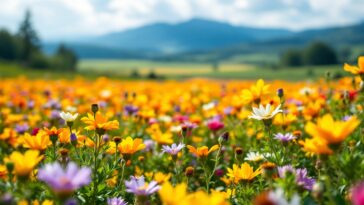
column 357, row 196
column 215, row 125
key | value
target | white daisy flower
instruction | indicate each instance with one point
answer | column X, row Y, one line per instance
column 254, row 157
column 68, row 117
column 264, row 113
column 165, row 118
column 176, row 129
column 208, row 106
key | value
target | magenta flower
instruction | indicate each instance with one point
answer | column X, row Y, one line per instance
column 64, row 181
column 215, row 125
column 173, row 149
column 116, row 201
column 284, row 137
column 139, row 187
column 357, row 196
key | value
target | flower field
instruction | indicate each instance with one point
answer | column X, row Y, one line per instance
column 182, row 142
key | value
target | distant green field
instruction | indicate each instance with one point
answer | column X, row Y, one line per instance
column 231, row 69
column 122, row 69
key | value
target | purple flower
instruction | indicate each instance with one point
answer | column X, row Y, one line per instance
column 228, row 110
column 303, row 180
column 21, row 128
column 64, row 181
column 357, row 196
column 300, row 175
column 149, row 144
column 116, row 201
column 71, row 202
column 284, row 137
column 55, row 114
column 282, row 171
column 139, row 187
column 173, row 149
column 188, row 125
column 130, row 109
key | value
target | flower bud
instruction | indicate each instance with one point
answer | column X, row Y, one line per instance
column 10, row 166
column 117, row 140
column 73, row 139
column 189, row 171
column 225, row 136
column 269, row 170
column 238, row 151
column 280, row 92
column 95, row 108
column 63, row 152
column 53, row 138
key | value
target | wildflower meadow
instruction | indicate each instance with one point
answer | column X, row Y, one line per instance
column 191, row 142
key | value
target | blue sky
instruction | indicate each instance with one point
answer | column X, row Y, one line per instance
column 57, row 19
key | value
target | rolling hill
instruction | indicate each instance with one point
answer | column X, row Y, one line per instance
column 199, row 37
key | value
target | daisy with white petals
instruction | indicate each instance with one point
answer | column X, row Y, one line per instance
column 68, row 117
column 265, row 113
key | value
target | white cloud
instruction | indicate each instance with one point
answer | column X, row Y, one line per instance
column 66, row 18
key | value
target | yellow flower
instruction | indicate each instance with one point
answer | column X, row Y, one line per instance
column 202, row 198
column 45, row 202
column 333, row 132
column 203, row 151
column 162, row 138
column 24, row 163
column 285, row 120
column 356, row 70
column 39, row 142
column 130, row 146
column 3, row 172
column 315, row 146
column 160, row 177
column 99, row 122
column 255, row 93
column 244, row 172
column 170, row 195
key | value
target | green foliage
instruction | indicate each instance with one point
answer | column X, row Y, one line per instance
column 319, row 53
column 24, row 47
column 8, row 46
column 292, row 58
column 39, row 61
column 28, row 38
column 64, row 59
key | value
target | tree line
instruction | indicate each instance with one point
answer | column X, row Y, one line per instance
column 25, row 47
column 317, row 53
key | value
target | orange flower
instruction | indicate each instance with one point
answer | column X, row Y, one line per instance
column 203, row 151
column 99, row 122
column 53, row 131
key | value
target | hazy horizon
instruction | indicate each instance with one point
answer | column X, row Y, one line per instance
column 62, row 19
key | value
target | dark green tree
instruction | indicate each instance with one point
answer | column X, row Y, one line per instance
column 319, row 53
column 28, row 38
column 8, row 46
column 292, row 58
column 65, row 59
